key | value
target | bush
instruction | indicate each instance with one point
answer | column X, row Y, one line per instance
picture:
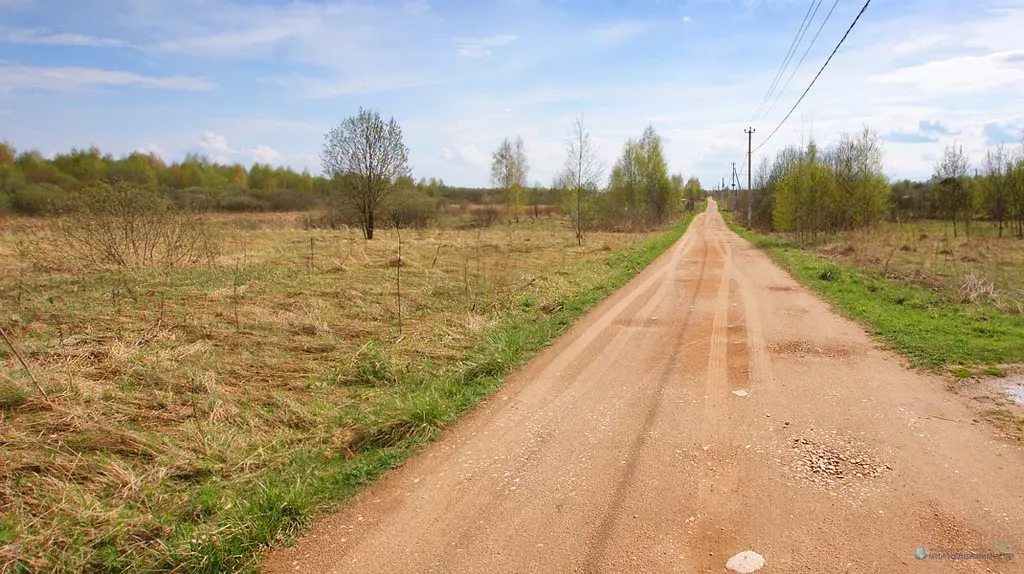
column 410, row 208
column 287, row 199
column 6, row 203
column 192, row 199
column 125, row 226
column 40, row 199
column 241, row 202
column 326, row 219
column 485, row 215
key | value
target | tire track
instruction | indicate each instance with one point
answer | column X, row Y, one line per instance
column 603, row 532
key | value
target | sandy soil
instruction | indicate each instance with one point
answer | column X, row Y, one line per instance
column 623, row 447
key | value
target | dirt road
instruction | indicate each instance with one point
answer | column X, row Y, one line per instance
column 624, row 448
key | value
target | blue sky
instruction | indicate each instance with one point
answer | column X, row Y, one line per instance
column 262, row 80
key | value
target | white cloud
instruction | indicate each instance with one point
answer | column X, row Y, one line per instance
column 70, row 78
column 216, row 144
column 321, row 88
column 349, row 45
column 241, row 43
column 919, row 44
column 446, row 154
column 216, row 147
column 263, row 154
column 152, row 148
column 481, row 47
column 42, row 37
column 620, row 32
column 957, row 75
column 472, row 154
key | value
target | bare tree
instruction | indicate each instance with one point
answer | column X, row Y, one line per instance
column 365, row 157
column 996, row 190
column 580, row 177
column 954, row 192
column 508, row 173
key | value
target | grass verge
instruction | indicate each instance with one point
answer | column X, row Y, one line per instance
column 925, row 325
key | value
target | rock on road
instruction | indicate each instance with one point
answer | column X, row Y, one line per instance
column 623, row 447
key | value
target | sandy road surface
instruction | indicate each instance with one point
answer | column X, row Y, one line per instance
column 623, row 448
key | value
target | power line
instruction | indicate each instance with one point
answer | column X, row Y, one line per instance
column 809, row 46
column 785, row 61
column 809, row 86
column 799, row 41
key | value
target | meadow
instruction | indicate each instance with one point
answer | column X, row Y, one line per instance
column 185, row 418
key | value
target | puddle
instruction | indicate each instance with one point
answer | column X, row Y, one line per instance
column 1017, row 392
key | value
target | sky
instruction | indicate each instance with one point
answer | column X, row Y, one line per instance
column 263, row 80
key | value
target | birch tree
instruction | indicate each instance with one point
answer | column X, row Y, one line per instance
column 953, row 190
column 579, row 178
column 996, row 188
column 364, row 157
column 509, row 170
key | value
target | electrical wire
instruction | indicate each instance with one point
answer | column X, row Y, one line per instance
column 785, row 60
column 802, row 58
column 809, row 86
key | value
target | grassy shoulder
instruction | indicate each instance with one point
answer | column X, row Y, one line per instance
column 208, row 414
column 925, row 325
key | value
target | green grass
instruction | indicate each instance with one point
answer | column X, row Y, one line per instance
column 925, row 325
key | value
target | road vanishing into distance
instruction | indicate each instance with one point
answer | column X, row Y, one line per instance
column 711, row 406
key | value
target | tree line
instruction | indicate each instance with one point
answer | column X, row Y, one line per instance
column 367, row 162
column 32, row 184
column 811, row 191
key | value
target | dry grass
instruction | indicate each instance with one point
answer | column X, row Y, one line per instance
column 981, row 269
column 171, row 389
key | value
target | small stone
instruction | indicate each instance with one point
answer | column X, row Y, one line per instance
column 740, row 393
column 745, row 562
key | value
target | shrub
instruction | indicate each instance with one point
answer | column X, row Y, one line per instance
column 286, row 199
column 241, row 202
column 125, row 226
column 410, row 208
column 192, row 199
column 485, row 215
column 39, row 199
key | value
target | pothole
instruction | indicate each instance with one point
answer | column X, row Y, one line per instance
column 835, row 462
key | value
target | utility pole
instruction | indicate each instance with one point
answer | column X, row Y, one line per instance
column 750, row 170
column 735, row 182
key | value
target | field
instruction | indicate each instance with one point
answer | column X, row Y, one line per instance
column 186, row 418
column 981, row 268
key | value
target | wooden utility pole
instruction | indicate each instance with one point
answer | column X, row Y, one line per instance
column 735, row 183
column 750, row 170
